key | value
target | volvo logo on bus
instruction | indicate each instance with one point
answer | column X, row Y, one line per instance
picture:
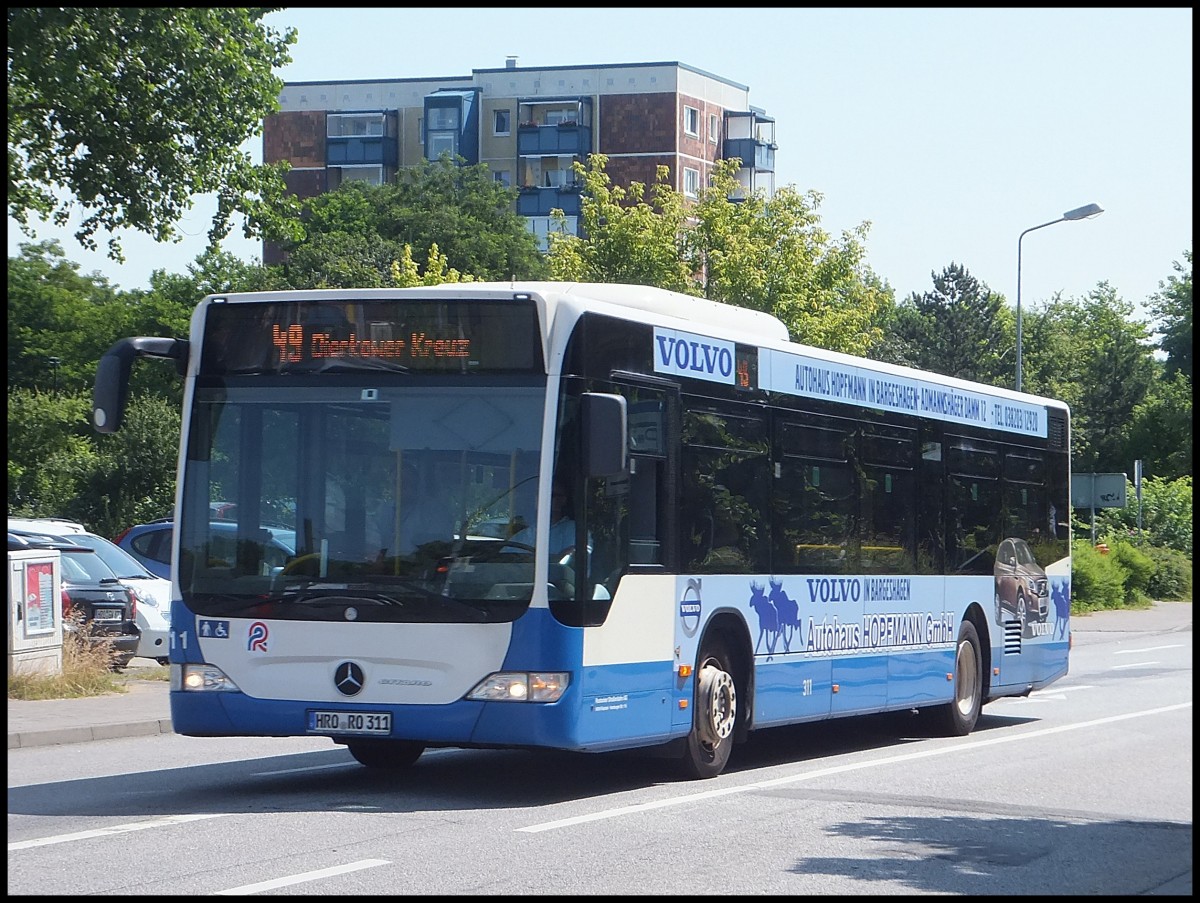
column 348, row 678
column 689, row 607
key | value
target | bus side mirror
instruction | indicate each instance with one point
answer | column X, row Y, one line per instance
column 111, row 390
column 605, row 434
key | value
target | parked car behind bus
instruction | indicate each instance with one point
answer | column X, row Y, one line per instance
column 151, row 544
column 153, row 592
column 90, row 588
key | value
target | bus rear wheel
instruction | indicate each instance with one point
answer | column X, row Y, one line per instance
column 710, row 740
column 957, row 718
column 393, row 755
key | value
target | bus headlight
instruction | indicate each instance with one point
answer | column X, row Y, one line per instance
column 521, row 686
column 201, row 679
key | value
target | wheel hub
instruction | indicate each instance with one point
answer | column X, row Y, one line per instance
column 718, row 701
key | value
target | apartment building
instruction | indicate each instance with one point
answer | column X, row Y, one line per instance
column 528, row 124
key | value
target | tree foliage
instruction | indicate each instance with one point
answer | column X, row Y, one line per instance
column 1166, row 513
column 129, row 112
column 961, row 328
column 57, row 313
column 1095, row 355
column 624, row 236
column 50, row 451
column 1173, row 306
column 767, row 254
column 771, row 254
column 356, row 236
column 1160, row 433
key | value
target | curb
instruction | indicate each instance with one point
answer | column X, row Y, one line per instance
column 85, row 733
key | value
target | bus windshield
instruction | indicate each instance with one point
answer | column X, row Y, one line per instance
column 363, row 500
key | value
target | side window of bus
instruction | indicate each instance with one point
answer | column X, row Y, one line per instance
column 973, row 529
column 725, row 518
column 888, row 457
column 931, row 528
column 648, row 504
column 815, row 496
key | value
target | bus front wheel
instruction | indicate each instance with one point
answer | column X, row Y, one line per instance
column 710, row 740
column 957, row 718
column 394, row 755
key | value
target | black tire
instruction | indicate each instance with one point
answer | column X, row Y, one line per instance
column 392, row 755
column 714, row 714
column 958, row 717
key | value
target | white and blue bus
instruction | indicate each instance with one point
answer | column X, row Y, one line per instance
column 590, row 517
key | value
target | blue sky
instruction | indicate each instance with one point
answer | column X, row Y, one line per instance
column 950, row 131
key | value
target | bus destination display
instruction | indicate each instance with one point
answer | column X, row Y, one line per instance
column 310, row 336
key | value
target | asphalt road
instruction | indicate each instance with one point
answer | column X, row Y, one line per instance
column 1083, row 788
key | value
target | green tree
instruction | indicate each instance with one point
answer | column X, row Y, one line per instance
column 1173, row 307
column 961, row 328
column 133, row 477
column 1160, row 434
column 1104, row 368
column 50, row 451
column 58, row 466
column 129, row 112
column 771, row 254
column 56, row 312
column 623, row 236
column 353, row 236
column 765, row 254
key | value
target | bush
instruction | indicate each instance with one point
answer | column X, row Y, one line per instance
column 1166, row 515
column 1138, row 569
column 1097, row 581
column 87, row 667
column 1172, row 577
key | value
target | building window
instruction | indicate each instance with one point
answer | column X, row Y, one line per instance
column 350, row 125
column 340, row 175
column 503, row 176
column 712, row 127
column 691, row 182
column 441, row 142
column 443, row 118
column 691, row 121
column 501, row 122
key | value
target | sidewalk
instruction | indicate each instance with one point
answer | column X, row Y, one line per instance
column 145, row 709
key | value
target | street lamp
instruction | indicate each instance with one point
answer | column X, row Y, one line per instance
column 54, row 362
column 1086, row 212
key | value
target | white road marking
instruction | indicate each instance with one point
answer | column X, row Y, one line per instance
column 302, row 877
column 1151, row 649
column 1056, row 695
column 269, row 774
column 109, row 831
column 969, row 744
column 1134, row 665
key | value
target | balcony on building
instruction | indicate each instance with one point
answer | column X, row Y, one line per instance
column 750, row 137
column 553, row 133
column 450, row 124
column 554, row 126
column 361, row 139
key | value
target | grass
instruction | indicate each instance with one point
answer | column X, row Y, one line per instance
column 87, row 669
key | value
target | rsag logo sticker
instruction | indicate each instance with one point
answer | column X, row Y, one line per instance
column 256, row 639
